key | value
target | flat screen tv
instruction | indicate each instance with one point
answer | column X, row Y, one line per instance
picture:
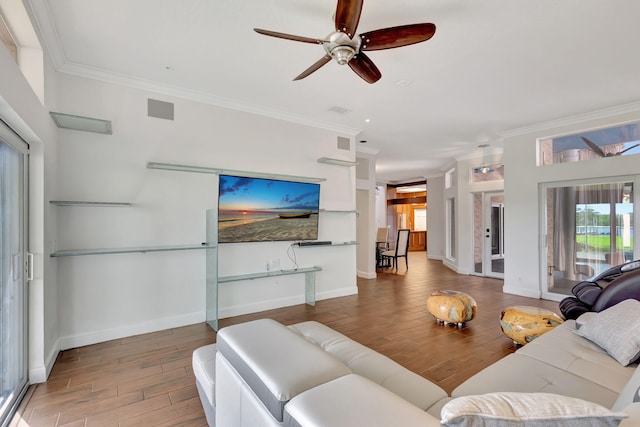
column 266, row 210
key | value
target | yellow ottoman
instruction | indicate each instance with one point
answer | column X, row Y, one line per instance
column 452, row 306
column 523, row 324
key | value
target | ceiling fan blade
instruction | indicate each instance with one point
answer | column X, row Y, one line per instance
column 348, row 16
column 288, row 36
column 594, row 147
column 319, row 63
column 627, row 149
column 388, row 38
column 365, row 68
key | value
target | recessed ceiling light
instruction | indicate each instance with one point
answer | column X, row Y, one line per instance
column 403, row 82
column 367, row 120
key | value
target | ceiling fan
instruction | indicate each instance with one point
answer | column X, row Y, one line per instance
column 596, row 149
column 346, row 47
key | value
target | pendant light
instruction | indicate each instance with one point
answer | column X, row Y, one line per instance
column 485, row 168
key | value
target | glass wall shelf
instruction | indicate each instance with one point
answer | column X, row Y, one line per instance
column 349, row 243
column 338, row 162
column 339, row 211
column 139, row 249
column 96, row 204
column 263, row 274
column 86, row 124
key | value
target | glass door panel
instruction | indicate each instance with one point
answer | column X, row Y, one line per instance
column 494, row 235
column 13, row 295
column 488, row 234
column 589, row 229
column 478, row 233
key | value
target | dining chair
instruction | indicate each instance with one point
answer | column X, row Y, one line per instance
column 401, row 248
column 382, row 244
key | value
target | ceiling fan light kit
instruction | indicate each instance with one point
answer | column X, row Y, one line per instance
column 347, row 48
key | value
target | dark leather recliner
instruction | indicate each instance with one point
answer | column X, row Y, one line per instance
column 603, row 291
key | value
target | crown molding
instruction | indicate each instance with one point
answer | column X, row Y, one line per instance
column 80, row 70
column 633, row 107
column 40, row 13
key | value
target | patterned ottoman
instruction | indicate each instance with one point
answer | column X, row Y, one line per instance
column 453, row 307
column 523, row 324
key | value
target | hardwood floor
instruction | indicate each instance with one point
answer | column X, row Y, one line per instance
column 147, row 380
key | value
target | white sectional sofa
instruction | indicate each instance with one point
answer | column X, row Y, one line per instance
column 262, row 373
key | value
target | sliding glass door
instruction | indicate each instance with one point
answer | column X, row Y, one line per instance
column 13, row 276
column 589, row 228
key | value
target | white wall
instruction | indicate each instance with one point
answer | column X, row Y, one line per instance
column 522, row 185
column 366, row 220
column 107, row 296
column 435, row 218
column 21, row 109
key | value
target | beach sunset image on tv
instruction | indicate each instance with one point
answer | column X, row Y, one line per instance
column 261, row 210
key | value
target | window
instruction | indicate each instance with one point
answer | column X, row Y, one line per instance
column 450, row 178
column 589, row 228
column 451, row 229
column 620, row 140
column 487, row 173
column 420, row 219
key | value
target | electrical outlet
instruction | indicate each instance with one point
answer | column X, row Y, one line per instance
column 272, row 264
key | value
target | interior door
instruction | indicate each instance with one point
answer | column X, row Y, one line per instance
column 13, row 272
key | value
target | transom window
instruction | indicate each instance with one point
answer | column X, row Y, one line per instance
column 620, row 140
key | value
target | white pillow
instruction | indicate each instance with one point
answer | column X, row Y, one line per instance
column 526, row 410
column 617, row 330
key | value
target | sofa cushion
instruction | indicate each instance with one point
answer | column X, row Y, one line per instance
column 617, row 330
column 520, row 373
column 526, row 410
column 275, row 362
column 353, row 400
column 372, row 365
column 204, row 369
column 562, row 348
column 630, row 393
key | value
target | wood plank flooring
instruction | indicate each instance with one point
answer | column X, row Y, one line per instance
column 147, row 380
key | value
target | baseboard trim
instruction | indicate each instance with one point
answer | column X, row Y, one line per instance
column 366, row 275
column 80, row 340
column 524, row 292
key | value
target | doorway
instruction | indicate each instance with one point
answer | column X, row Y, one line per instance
column 13, row 271
column 488, row 248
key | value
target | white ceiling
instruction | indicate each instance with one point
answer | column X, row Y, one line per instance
column 492, row 66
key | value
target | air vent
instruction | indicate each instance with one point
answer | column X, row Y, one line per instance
column 160, row 109
column 344, row 143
